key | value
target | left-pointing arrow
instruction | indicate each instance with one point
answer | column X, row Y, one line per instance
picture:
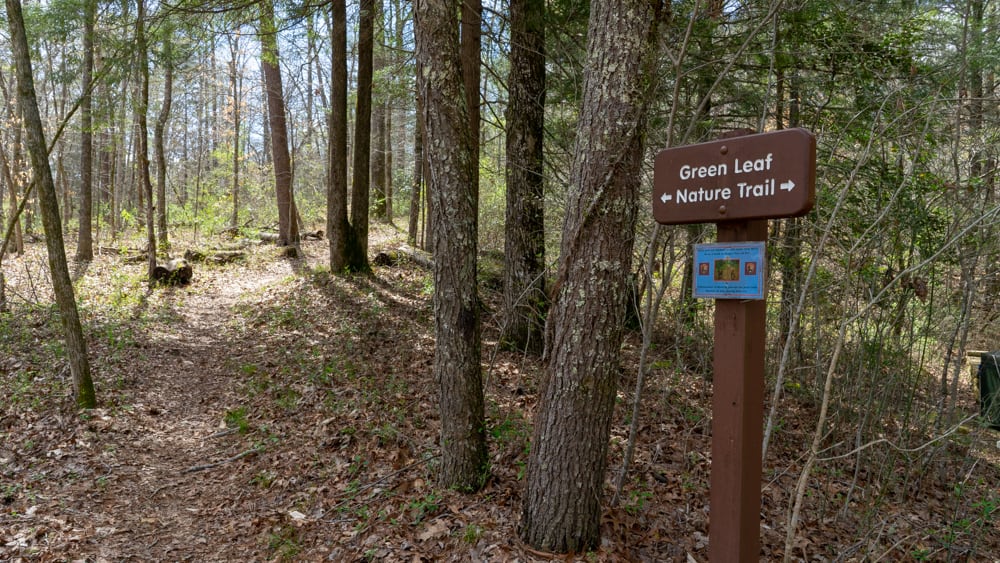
column 665, row 198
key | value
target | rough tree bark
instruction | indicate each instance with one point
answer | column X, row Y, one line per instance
column 76, row 348
column 455, row 204
column 288, row 229
column 524, row 230
column 361, row 180
column 337, row 227
column 85, row 240
column 471, row 49
column 566, row 466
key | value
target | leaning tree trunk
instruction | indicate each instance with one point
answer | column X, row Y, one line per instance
column 455, row 205
column 566, row 466
column 76, row 347
column 524, row 231
column 277, row 122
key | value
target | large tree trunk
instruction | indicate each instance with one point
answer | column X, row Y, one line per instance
column 566, row 466
column 524, row 231
column 337, row 227
column 270, row 64
column 76, row 348
column 456, row 305
column 85, row 240
column 361, row 180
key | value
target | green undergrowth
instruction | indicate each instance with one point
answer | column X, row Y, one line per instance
column 33, row 369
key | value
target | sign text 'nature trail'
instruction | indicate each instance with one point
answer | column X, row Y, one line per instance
column 767, row 175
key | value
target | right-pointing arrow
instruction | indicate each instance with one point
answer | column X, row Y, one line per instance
column 788, row 186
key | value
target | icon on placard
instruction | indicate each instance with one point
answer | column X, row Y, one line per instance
column 703, row 269
column 750, row 268
column 727, row 270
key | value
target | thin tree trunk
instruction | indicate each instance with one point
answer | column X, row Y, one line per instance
column 136, row 193
column 142, row 134
column 235, row 83
column 471, row 48
column 418, row 176
column 182, row 189
column 85, row 241
column 17, row 159
column 158, row 140
column 379, row 111
column 387, row 143
column 311, row 60
column 13, row 225
column 76, row 349
column 525, row 301
column 792, row 265
column 650, row 313
column 63, row 182
column 266, row 118
column 378, row 162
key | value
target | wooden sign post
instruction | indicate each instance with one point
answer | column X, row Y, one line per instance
column 737, row 183
column 737, row 416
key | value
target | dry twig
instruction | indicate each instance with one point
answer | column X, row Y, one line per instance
column 240, row 455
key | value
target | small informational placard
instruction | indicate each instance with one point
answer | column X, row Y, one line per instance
column 732, row 270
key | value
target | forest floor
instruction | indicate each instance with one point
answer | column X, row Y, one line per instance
column 269, row 411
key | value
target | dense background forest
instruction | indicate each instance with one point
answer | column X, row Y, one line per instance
column 334, row 131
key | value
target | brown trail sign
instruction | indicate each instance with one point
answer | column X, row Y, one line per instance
column 737, row 183
column 762, row 176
